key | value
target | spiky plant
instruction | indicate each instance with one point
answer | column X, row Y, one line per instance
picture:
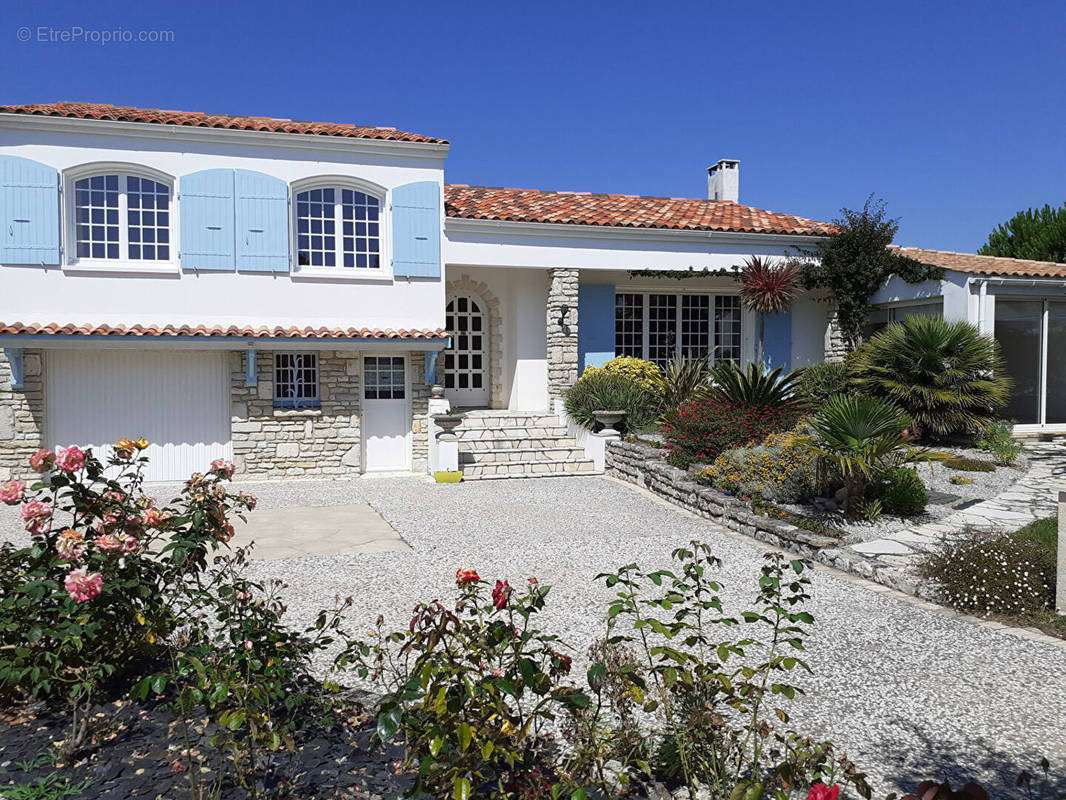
column 684, row 379
column 754, row 385
column 768, row 286
column 945, row 375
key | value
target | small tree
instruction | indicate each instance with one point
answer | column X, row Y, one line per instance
column 854, row 262
column 768, row 286
column 1036, row 233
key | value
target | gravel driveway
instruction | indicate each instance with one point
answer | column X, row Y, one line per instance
column 908, row 693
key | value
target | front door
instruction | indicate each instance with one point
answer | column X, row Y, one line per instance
column 465, row 375
column 386, row 414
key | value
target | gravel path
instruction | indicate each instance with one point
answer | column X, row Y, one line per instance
column 908, row 693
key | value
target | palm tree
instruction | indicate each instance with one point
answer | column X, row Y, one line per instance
column 945, row 375
column 768, row 286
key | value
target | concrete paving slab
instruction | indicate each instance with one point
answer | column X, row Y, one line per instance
column 308, row 531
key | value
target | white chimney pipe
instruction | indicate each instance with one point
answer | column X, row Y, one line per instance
column 723, row 180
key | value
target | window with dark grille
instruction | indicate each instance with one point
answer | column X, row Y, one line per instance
column 695, row 325
column 629, row 325
column 296, row 380
column 727, row 328
column 662, row 328
column 659, row 327
column 384, row 378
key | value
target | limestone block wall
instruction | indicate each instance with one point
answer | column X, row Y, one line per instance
column 21, row 415
column 561, row 330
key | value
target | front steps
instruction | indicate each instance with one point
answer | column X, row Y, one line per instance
column 510, row 444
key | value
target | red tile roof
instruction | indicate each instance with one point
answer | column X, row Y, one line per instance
column 988, row 265
column 232, row 331
column 199, row 119
column 620, row 210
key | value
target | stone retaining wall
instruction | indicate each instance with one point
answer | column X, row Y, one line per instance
column 640, row 464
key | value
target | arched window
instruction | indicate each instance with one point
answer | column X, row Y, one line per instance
column 119, row 216
column 338, row 226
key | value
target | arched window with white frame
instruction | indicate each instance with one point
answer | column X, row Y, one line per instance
column 338, row 225
column 120, row 214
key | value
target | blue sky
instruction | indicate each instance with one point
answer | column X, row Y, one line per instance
column 953, row 112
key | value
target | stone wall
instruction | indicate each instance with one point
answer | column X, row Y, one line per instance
column 836, row 347
column 561, row 331
column 21, row 415
column 642, row 465
column 273, row 442
column 420, row 393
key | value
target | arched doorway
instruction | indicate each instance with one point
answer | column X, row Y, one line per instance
column 466, row 374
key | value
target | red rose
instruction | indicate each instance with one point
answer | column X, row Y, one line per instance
column 465, row 575
column 819, row 791
column 500, row 594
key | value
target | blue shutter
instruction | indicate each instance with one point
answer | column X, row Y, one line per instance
column 29, row 212
column 206, row 208
column 777, row 341
column 416, row 230
column 595, row 324
column 262, row 219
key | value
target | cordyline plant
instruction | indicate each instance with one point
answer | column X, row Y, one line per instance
column 768, row 286
column 95, row 594
column 473, row 689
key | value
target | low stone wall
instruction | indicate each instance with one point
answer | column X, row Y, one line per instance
column 640, row 464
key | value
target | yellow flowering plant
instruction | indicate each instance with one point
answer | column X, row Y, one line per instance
column 645, row 374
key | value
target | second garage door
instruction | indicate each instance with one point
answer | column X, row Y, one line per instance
column 178, row 401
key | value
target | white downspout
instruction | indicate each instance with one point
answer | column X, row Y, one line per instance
column 982, row 295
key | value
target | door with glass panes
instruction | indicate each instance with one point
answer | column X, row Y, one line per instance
column 466, row 378
column 386, row 414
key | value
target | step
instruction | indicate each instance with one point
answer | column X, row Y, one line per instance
column 523, row 443
column 526, row 469
column 512, row 432
column 512, row 419
column 499, row 455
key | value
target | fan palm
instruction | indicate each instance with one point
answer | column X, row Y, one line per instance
column 858, row 437
column 754, row 386
column 768, row 286
column 945, row 375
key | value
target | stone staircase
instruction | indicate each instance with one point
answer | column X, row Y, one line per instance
column 517, row 444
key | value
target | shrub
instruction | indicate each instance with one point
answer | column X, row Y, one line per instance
column 997, row 438
column 946, row 376
column 646, row 374
column 684, row 379
column 960, row 480
column 781, row 468
column 753, row 385
column 962, row 464
column 701, row 430
column 901, row 492
column 818, row 382
column 604, row 390
column 988, row 574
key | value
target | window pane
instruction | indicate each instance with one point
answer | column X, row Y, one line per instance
column 695, row 326
column 1056, row 375
column 1018, row 333
column 662, row 324
column 629, row 325
column 727, row 328
column 314, row 225
column 98, row 240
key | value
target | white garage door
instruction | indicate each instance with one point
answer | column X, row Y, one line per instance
column 179, row 402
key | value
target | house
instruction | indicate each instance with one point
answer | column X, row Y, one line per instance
column 1021, row 303
column 286, row 294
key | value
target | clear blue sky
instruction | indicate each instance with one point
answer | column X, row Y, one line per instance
column 953, row 112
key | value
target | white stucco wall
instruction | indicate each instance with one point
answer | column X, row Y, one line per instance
column 71, row 295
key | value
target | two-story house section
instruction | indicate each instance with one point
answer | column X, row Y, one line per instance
column 251, row 288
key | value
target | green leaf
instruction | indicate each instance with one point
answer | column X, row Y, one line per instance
column 486, row 749
column 461, row 789
column 434, row 745
column 578, row 794
column 465, row 735
column 388, row 724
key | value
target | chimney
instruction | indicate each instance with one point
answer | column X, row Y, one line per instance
column 723, row 180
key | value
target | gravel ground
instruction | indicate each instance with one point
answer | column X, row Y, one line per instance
column 985, row 486
column 908, row 693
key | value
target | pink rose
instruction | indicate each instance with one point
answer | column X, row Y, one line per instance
column 37, row 516
column 42, row 460
column 247, row 644
column 151, row 517
column 130, row 543
column 11, row 492
column 819, row 791
column 69, row 459
column 83, row 585
column 113, row 496
column 70, row 545
column 250, row 501
column 223, row 467
column 107, row 543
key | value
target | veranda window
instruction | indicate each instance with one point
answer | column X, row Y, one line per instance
column 658, row 326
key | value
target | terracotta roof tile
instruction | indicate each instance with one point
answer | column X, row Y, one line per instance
column 989, row 265
column 620, row 210
column 216, row 331
column 199, row 119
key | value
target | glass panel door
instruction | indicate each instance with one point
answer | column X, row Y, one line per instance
column 1017, row 330
column 1056, row 372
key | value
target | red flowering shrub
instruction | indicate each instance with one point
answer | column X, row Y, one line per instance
column 701, row 430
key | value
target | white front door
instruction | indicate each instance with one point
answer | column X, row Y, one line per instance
column 466, row 379
column 178, row 401
column 386, row 414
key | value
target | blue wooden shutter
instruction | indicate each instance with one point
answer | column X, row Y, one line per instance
column 206, row 208
column 262, row 209
column 29, row 212
column 777, row 340
column 416, row 230
column 595, row 324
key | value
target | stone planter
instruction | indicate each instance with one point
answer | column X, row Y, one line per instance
column 448, row 422
column 608, row 419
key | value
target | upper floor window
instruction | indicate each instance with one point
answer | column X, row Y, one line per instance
column 337, row 226
column 121, row 217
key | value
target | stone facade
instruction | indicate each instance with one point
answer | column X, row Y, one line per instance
column 420, row 426
column 836, row 347
column 21, row 414
column 561, row 331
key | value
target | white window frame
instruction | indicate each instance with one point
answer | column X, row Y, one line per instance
column 678, row 305
column 294, row 402
column 339, row 272
column 123, row 263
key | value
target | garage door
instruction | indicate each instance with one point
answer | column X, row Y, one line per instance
column 179, row 402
